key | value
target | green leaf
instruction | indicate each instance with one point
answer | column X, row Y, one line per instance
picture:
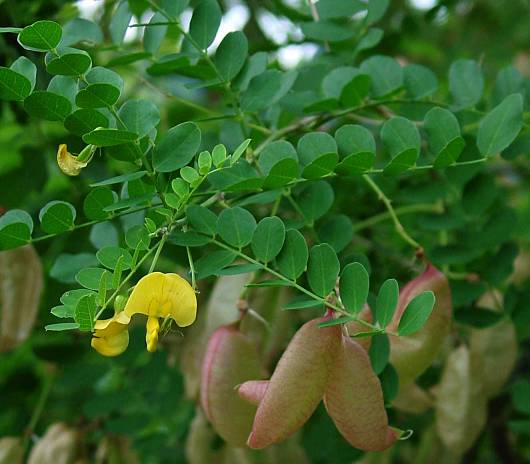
column 315, row 200
column 254, row 66
column 445, row 140
column 509, row 80
column 283, row 172
column 137, row 237
column 356, row 146
column 466, row 83
column 269, row 283
column 110, row 255
column 120, row 179
column 231, row 55
column 238, row 152
column 268, row 238
column 27, row 68
column 241, row 176
column 65, row 86
column 478, row 317
column 292, row 259
column 386, row 75
column 61, row 326
column 338, row 321
column 81, row 30
column 372, row 38
column 40, row 36
column 154, row 35
column 416, row 313
column 336, row 80
column 420, row 81
column 16, row 227
column 302, row 303
column 90, row 277
column 337, row 231
column 47, row 105
column 68, row 62
column 57, row 217
column 139, row 116
column 386, row 303
column 236, row 226
column 402, row 140
column 323, row 269
column 326, row 31
column 211, row 263
column 328, row 9
column 99, row 95
column 317, row 152
column 85, row 311
column 266, row 89
column 354, row 287
column 109, row 137
column 239, row 269
column 13, row 85
column 205, row 22
column 500, row 126
column 67, row 265
column 202, row 219
column 120, row 22
column 376, row 10
column 177, row 148
column 355, row 91
column 276, row 154
column 85, row 120
column 379, row 352
column 188, row 238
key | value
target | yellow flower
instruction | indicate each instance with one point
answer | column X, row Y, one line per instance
column 159, row 295
column 111, row 336
column 71, row 164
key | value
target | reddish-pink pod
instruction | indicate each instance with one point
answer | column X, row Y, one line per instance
column 412, row 354
column 297, row 384
column 354, row 400
column 253, row 391
column 231, row 359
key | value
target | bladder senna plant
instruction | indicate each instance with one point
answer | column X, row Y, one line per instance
column 156, row 295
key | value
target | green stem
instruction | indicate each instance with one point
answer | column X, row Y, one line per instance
column 410, row 209
column 39, row 407
column 159, row 248
column 388, row 204
column 192, row 268
column 293, row 284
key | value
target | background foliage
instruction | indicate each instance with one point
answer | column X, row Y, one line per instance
column 472, row 219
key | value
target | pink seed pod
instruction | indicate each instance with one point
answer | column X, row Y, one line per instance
column 231, row 358
column 412, row 354
column 354, row 400
column 253, row 391
column 297, row 384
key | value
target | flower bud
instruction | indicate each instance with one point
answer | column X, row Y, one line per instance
column 231, row 358
column 354, row 400
column 297, row 384
column 412, row 354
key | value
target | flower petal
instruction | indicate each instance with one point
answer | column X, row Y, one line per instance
column 67, row 162
column 111, row 336
column 162, row 295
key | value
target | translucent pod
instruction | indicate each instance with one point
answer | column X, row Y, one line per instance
column 412, row 354
column 354, row 400
column 231, row 359
column 297, row 384
column 253, row 391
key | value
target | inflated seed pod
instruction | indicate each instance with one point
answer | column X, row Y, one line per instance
column 231, row 358
column 297, row 384
column 21, row 284
column 253, row 391
column 354, row 400
column 412, row 354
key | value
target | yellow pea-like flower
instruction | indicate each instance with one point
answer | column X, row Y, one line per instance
column 159, row 295
column 71, row 164
column 111, row 336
